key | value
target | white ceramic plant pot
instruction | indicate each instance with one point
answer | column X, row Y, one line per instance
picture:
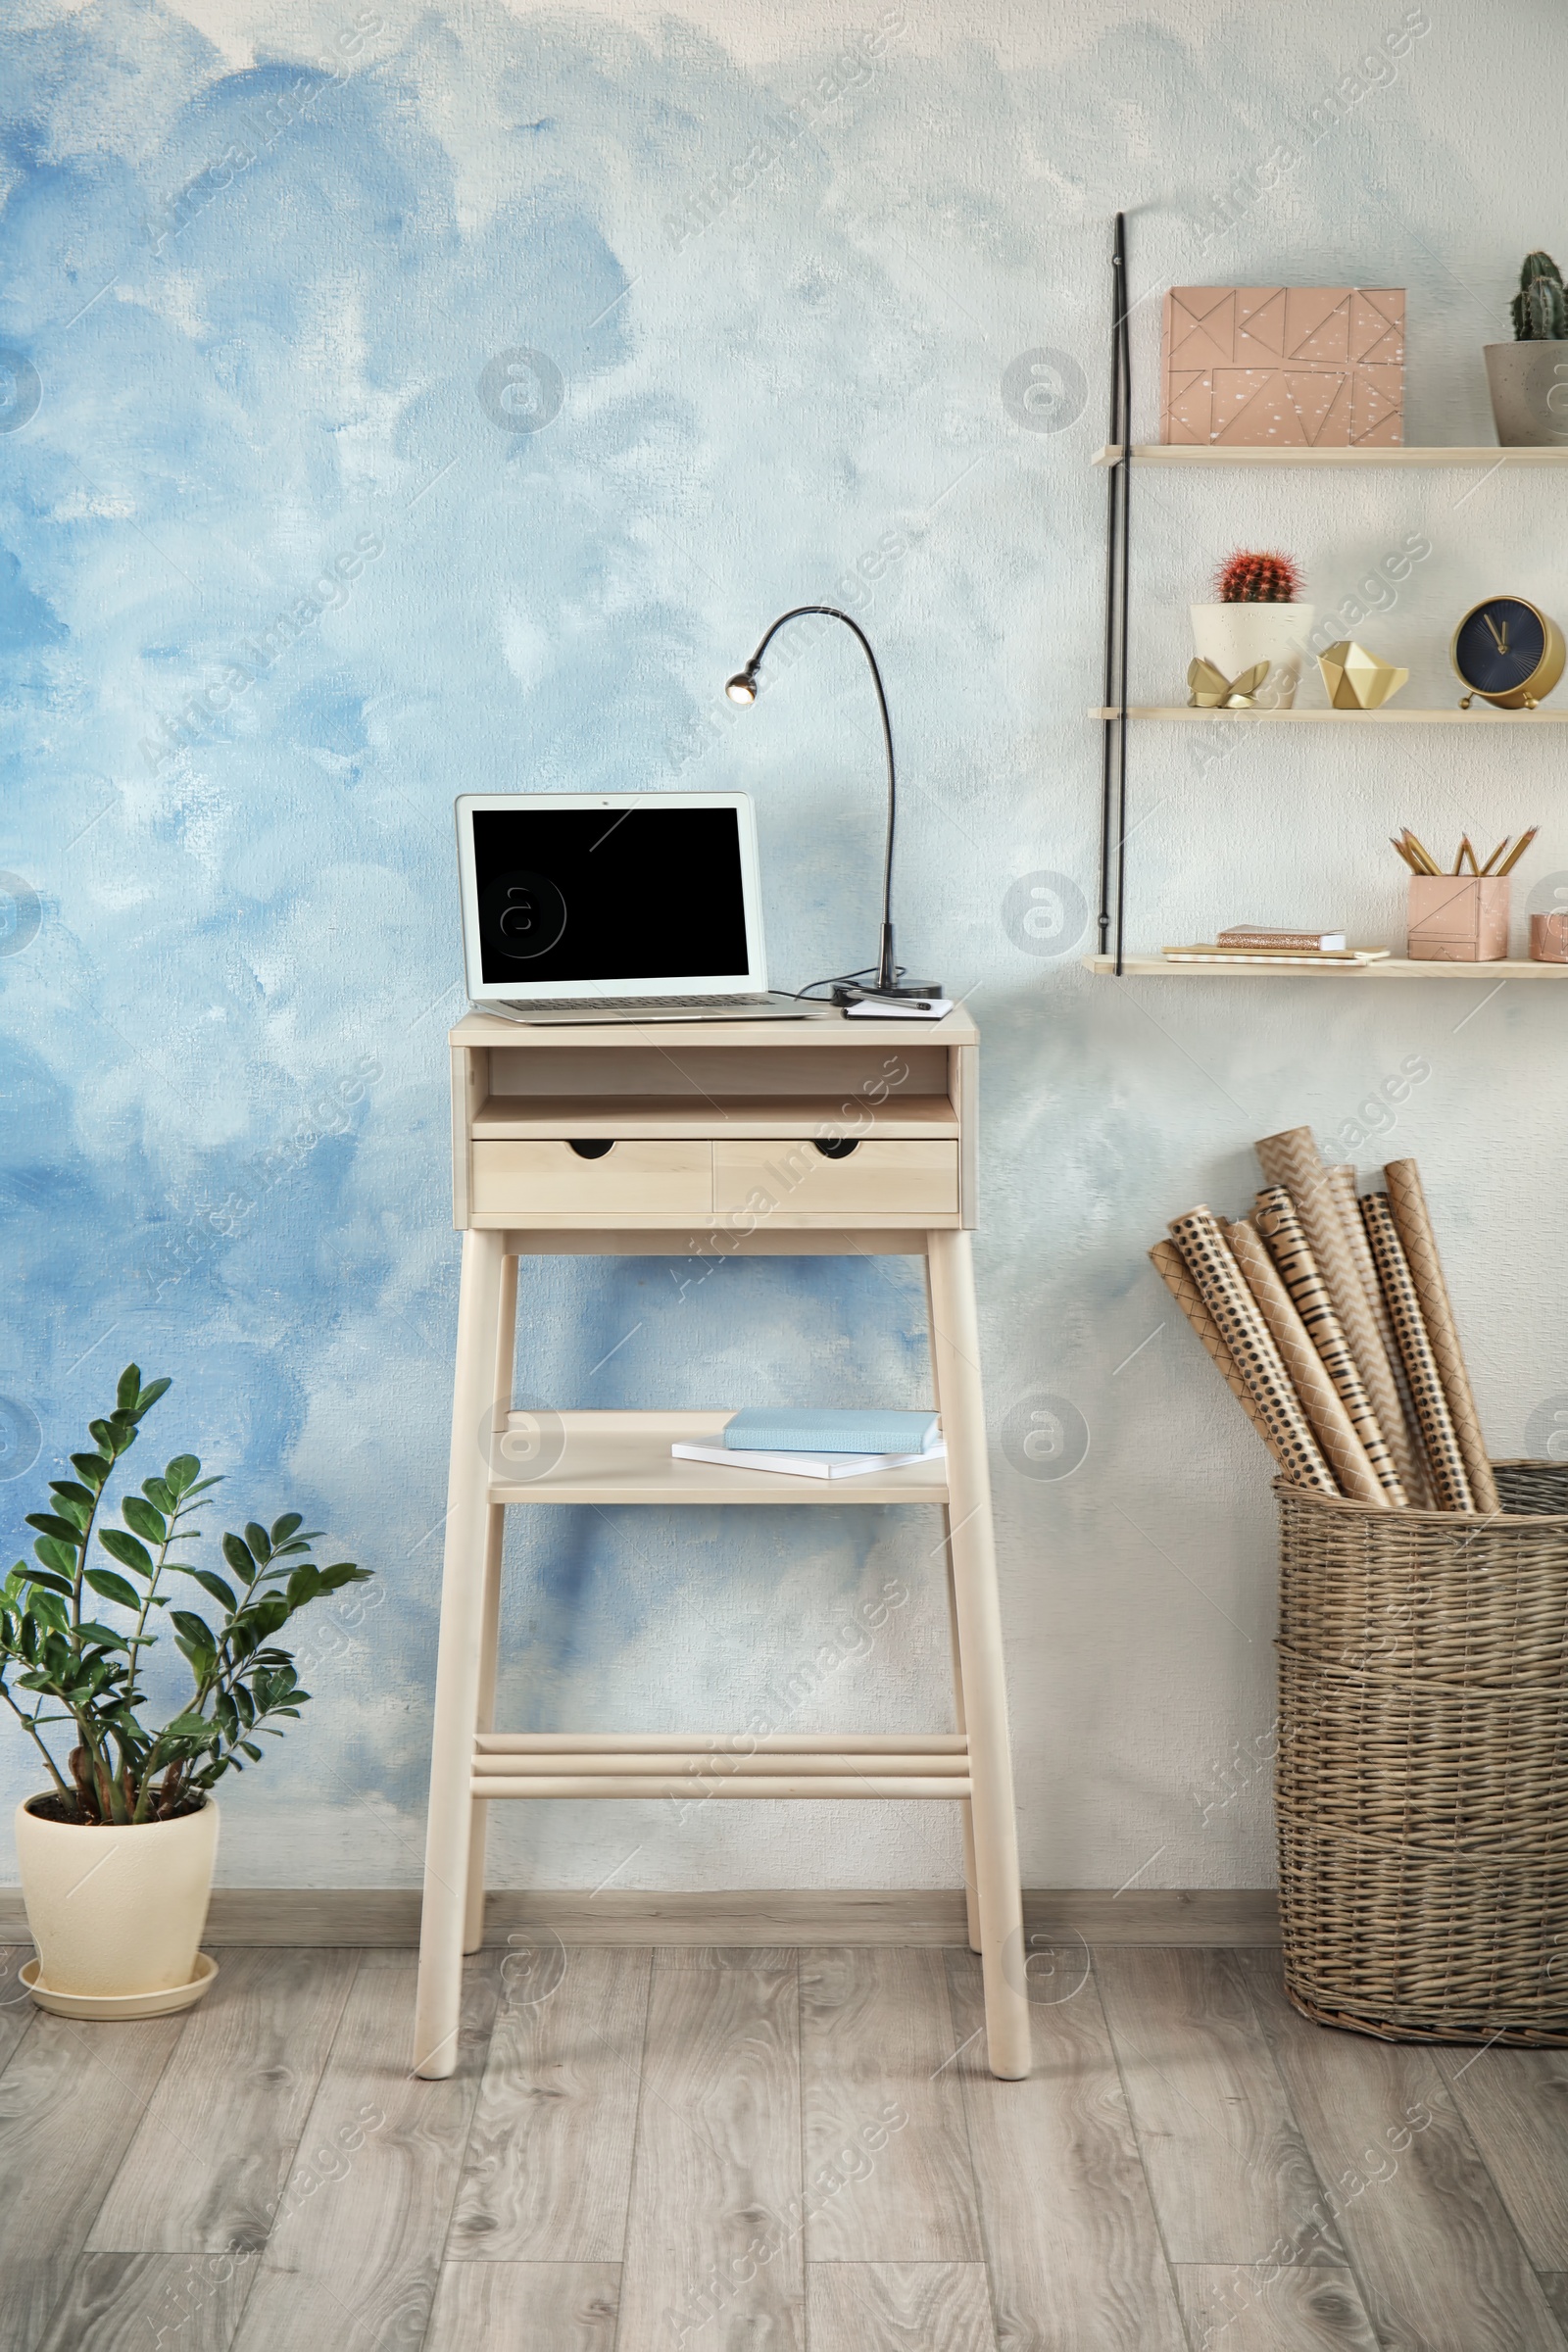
column 1529, row 387
column 1236, row 636
column 117, row 1913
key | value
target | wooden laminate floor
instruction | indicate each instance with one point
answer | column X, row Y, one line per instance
column 765, row 2150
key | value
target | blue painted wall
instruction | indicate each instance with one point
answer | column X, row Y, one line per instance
column 817, row 301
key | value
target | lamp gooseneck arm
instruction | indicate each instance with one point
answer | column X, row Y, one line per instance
column 887, row 970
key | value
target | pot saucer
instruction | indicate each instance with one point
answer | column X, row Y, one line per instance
column 106, row 2007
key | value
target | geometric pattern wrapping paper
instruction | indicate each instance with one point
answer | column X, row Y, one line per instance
column 1293, row 1159
column 1283, row 366
column 1344, row 1450
column 1171, row 1267
column 1343, row 1182
column 1426, row 1382
column 1407, row 1202
column 1281, row 1228
column 1171, row 1271
column 1252, row 1349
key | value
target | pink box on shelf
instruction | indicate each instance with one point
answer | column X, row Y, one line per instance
column 1459, row 918
column 1284, row 367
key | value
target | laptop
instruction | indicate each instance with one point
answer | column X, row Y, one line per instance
column 615, row 907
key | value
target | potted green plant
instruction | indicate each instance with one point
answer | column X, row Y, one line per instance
column 117, row 1855
column 1257, row 618
column 1528, row 378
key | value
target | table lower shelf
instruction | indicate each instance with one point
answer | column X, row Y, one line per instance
column 696, row 1765
column 625, row 1457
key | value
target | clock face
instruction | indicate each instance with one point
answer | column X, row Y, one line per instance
column 1499, row 645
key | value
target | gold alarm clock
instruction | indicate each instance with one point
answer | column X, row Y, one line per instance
column 1508, row 651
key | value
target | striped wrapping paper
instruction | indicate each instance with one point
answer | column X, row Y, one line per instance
column 1331, row 1425
column 1426, row 1381
column 1293, row 1161
column 1171, row 1267
column 1343, row 1182
column 1281, row 1228
column 1408, row 1206
column 1251, row 1350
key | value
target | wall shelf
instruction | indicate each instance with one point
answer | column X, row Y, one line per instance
column 1120, row 459
column 1397, row 967
column 1162, row 452
column 1186, row 715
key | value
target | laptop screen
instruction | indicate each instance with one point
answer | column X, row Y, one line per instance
column 572, row 897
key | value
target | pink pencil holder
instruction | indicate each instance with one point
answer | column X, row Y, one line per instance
column 1459, row 918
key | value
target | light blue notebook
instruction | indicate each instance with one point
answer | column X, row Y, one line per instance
column 828, row 1428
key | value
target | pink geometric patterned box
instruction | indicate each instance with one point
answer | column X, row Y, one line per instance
column 1284, row 367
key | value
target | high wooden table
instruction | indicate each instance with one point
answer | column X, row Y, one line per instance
column 817, row 1138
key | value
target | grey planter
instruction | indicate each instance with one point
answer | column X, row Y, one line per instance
column 1529, row 387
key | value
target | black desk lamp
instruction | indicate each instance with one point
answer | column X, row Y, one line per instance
column 741, row 688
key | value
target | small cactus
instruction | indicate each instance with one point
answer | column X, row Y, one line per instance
column 1540, row 306
column 1258, row 579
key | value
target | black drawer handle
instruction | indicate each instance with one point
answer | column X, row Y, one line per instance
column 839, row 1150
column 590, row 1147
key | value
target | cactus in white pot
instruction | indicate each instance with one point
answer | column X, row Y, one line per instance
column 1255, row 634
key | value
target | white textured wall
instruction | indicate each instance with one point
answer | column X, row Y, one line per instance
column 246, row 951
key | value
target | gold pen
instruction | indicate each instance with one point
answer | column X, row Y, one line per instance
column 1405, row 854
column 1496, row 854
column 1427, row 862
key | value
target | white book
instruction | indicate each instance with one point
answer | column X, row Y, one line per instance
column 1257, row 959
column 808, row 1465
column 894, row 1009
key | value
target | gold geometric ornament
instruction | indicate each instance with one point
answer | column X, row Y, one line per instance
column 1211, row 690
column 1357, row 680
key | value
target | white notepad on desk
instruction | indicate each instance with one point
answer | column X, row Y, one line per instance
column 808, row 1465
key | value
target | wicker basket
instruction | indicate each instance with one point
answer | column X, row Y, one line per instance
column 1421, row 1780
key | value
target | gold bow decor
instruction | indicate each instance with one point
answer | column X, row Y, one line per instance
column 1212, row 691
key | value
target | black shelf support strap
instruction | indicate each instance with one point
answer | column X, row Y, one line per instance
column 1113, row 756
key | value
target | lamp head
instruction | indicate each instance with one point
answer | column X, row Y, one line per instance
column 741, row 688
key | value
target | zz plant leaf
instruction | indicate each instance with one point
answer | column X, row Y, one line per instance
column 55, row 1655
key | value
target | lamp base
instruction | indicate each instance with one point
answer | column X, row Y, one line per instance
column 850, row 994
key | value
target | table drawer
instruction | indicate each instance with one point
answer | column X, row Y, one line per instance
column 907, row 1179
column 516, row 1178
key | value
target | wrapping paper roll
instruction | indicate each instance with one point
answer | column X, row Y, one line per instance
column 1426, row 1381
column 1343, row 1180
column 1293, row 1159
column 1171, row 1267
column 1331, row 1425
column 1251, row 1348
column 1281, row 1228
column 1408, row 1208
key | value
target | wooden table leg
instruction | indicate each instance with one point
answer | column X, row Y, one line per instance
column 490, row 1619
column 971, row 1892
column 460, row 1660
column 972, row 1896
column 971, row 1546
